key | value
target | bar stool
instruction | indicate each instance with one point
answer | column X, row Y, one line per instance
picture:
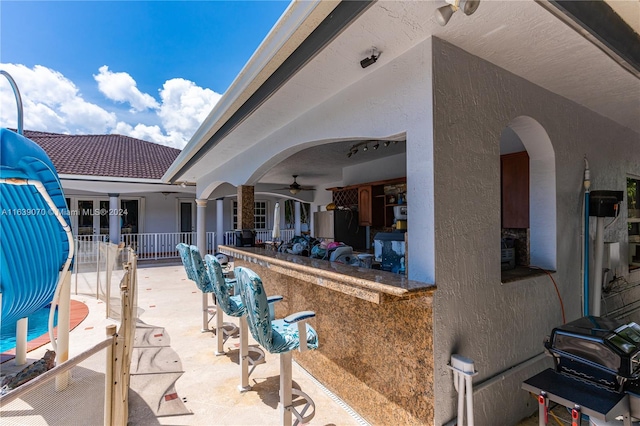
column 278, row 337
column 202, row 282
column 185, row 256
column 232, row 305
column 205, row 284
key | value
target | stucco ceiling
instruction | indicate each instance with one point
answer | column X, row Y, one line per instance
column 520, row 36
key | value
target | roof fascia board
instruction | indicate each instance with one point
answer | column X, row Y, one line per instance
column 91, row 178
column 601, row 25
column 288, row 24
column 313, row 36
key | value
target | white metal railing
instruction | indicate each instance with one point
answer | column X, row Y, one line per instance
column 261, row 235
column 163, row 245
column 153, row 245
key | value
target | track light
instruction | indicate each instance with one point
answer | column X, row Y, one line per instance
column 386, row 143
column 443, row 14
column 370, row 60
column 376, row 145
column 366, row 148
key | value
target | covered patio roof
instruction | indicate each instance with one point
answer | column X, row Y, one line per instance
column 315, row 49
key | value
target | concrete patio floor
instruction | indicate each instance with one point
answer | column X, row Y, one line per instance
column 166, row 298
column 208, row 386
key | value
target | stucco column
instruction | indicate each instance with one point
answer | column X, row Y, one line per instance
column 219, row 222
column 296, row 218
column 245, row 207
column 114, row 218
column 201, row 229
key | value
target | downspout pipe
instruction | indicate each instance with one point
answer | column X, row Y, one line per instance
column 587, row 186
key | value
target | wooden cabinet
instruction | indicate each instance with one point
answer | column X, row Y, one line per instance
column 373, row 206
column 514, row 170
column 370, row 205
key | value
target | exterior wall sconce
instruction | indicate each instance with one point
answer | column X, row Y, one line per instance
column 371, row 59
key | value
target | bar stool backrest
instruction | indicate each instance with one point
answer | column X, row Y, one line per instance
column 185, row 255
column 202, row 278
column 254, row 299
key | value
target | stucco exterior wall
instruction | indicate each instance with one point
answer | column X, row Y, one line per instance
column 394, row 99
column 501, row 325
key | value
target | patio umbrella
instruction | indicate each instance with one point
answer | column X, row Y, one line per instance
column 275, row 235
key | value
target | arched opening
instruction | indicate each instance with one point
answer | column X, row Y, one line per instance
column 528, row 177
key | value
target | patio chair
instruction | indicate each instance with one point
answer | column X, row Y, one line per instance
column 279, row 337
column 36, row 247
column 223, row 330
column 232, row 305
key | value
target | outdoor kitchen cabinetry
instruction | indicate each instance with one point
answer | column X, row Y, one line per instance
column 371, row 200
column 515, row 190
column 370, row 206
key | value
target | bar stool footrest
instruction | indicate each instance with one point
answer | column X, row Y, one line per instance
column 301, row 398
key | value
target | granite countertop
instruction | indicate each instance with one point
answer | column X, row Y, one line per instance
column 369, row 284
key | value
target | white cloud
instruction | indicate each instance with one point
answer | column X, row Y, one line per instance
column 53, row 103
column 121, row 87
column 185, row 106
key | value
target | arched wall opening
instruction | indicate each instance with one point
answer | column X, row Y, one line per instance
column 542, row 224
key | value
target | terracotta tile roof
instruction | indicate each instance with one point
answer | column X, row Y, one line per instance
column 105, row 155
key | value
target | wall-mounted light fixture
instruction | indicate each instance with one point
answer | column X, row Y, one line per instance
column 371, row 59
column 444, row 13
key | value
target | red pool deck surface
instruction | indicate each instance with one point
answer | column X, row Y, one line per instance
column 79, row 312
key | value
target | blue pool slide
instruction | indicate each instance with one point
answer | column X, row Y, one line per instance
column 35, row 243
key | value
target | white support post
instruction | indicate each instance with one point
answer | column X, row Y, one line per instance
column 297, row 218
column 286, row 381
column 201, row 237
column 463, row 372
column 219, row 330
column 114, row 219
column 461, row 394
column 108, row 377
column 22, row 327
column 64, row 315
column 219, row 222
column 244, row 355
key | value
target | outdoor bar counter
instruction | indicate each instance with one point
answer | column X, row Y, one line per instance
column 374, row 327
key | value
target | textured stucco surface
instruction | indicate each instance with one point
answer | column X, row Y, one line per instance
column 474, row 314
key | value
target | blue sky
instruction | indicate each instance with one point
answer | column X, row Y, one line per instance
column 150, row 69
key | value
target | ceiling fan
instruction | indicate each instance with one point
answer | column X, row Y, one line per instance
column 295, row 187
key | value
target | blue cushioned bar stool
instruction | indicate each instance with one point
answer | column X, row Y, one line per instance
column 185, row 256
column 194, row 266
column 222, row 329
column 278, row 337
column 232, row 305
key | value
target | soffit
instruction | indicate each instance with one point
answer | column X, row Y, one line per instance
column 519, row 36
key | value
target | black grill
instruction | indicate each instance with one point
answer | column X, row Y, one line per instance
column 601, row 351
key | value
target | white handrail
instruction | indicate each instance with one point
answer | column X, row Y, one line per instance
column 16, row 93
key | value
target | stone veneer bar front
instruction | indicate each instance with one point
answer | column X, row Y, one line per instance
column 375, row 331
